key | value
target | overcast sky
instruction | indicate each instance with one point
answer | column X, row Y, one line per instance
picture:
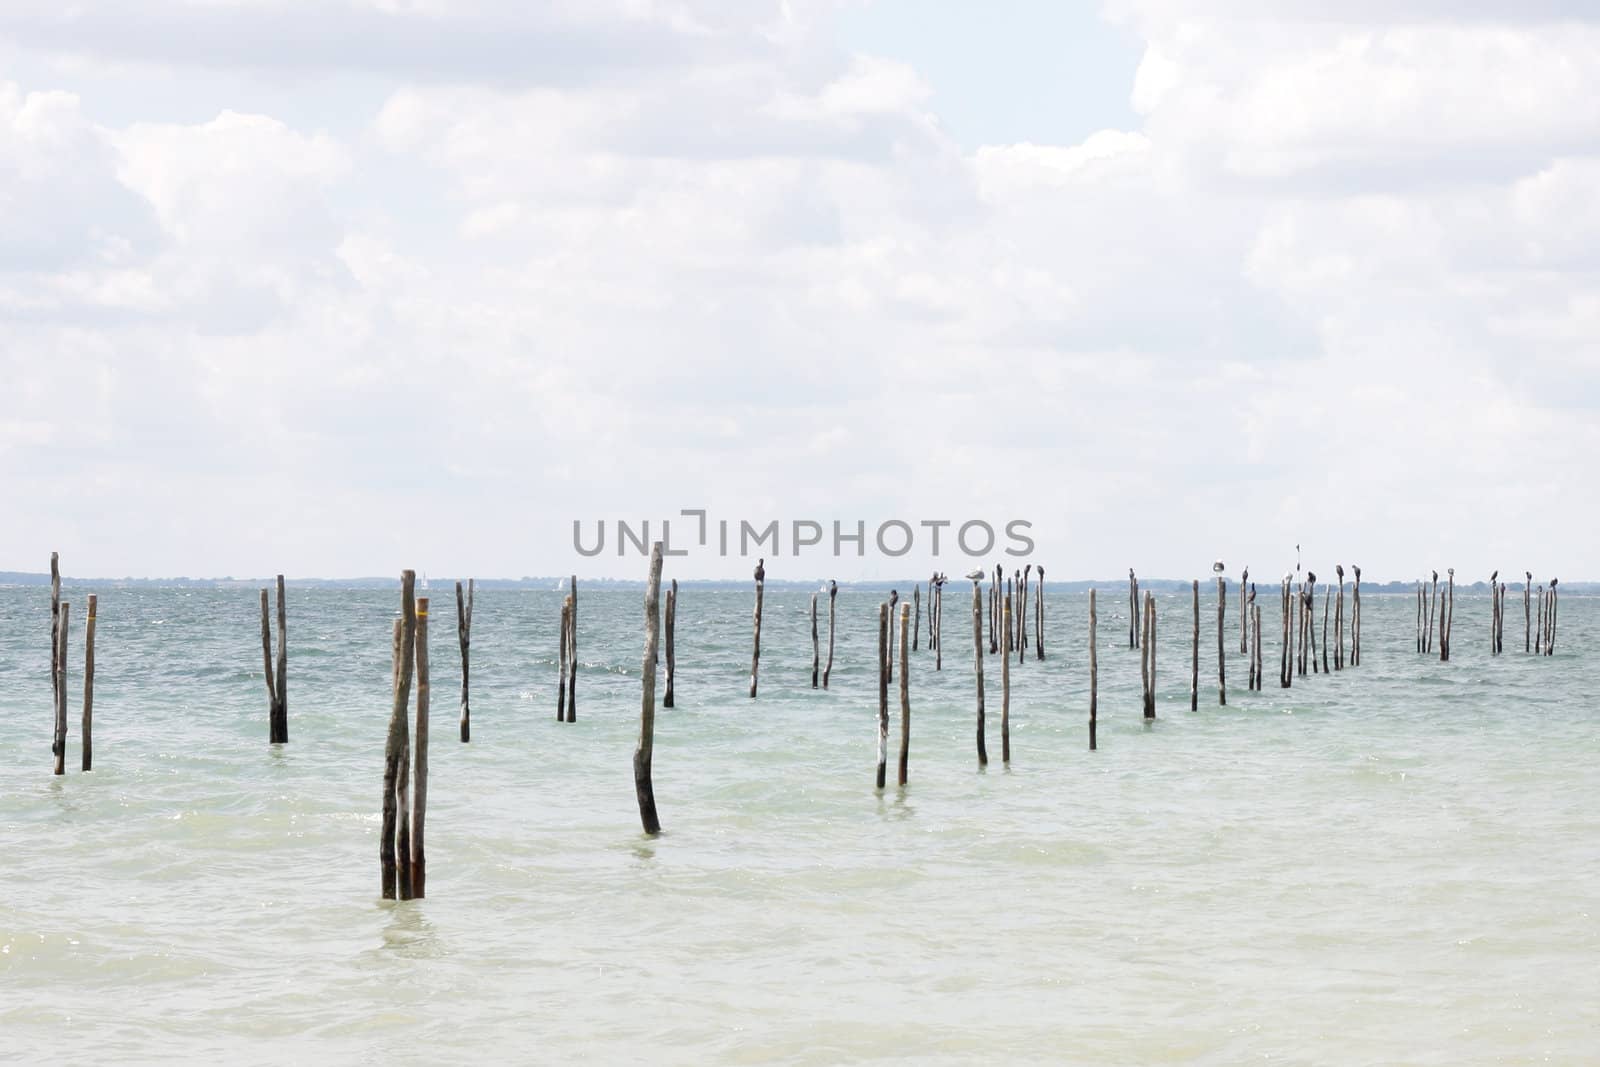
column 336, row 287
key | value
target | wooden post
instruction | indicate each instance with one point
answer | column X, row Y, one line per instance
column 833, row 594
column 1285, row 674
column 644, row 752
column 1005, row 684
column 994, row 610
column 894, row 600
column 1194, row 674
column 1355, row 627
column 905, row 693
column 1447, row 616
column 419, row 784
column 755, row 652
column 883, row 693
column 88, row 684
column 56, row 663
column 398, row 741
column 938, row 623
column 1022, row 612
column 933, row 581
column 1222, row 661
column 1038, row 619
column 464, row 638
column 566, row 635
column 572, row 654
column 1538, row 629
column 1551, row 617
column 266, row 661
column 1094, row 675
column 916, row 625
column 1338, row 623
column 1419, row 616
column 1311, row 620
column 1527, row 611
column 1327, row 601
column 816, row 647
column 1255, row 610
column 1244, row 613
column 672, row 621
column 1433, row 611
column 59, row 747
column 1133, row 610
column 283, row 665
column 977, row 663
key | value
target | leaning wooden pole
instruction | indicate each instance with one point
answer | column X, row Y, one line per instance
column 464, row 639
column 1038, row 619
column 273, row 737
column 672, row 622
column 833, row 595
column 905, row 693
column 977, row 664
column 883, row 694
column 59, row 747
column 755, row 651
column 644, row 752
column 88, row 684
column 1094, row 675
column 419, row 756
column 566, row 635
column 1022, row 612
column 398, row 741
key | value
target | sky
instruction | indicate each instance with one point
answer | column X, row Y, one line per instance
column 337, row 288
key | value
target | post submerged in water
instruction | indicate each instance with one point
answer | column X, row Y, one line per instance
column 59, row 746
column 1355, row 623
column 755, row 652
column 283, row 665
column 397, row 743
column 55, row 628
column 883, row 694
column 977, row 661
column 1194, row 673
column 1222, row 661
column 833, row 595
column 1005, row 684
column 1447, row 616
column 905, row 694
column 565, row 640
column 1244, row 613
column 419, row 784
column 1094, row 675
column 88, row 683
column 572, row 654
column 894, row 600
column 671, row 624
column 1133, row 610
column 816, row 646
column 1527, row 611
column 464, row 639
column 277, row 725
column 644, row 751
column 916, row 625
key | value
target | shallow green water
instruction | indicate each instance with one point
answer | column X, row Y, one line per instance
column 1395, row 863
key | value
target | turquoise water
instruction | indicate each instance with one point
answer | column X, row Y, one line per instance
column 1395, row 863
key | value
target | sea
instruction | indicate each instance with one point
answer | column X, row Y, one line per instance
column 1394, row 863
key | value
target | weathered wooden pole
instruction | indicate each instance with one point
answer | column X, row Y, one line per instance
column 1500, row 620
column 1285, row 674
column 1147, row 655
column 1551, row 618
column 1538, row 629
column 894, row 600
column 938, row 623
column 1005, row 685
column 1022, row 613
column 1222, row 661
column 1038, row 619
column 1311, row 620
column 977, row 661
column 643, row 753
column 266, row 661
column 283, row 665
column 1255, row 610
column 1194, row 674
column 905, row 693
column 56, row 663
column 994, row 611
column 816, row 646
column 1419, row 615
column 1447, row 616
column 1244, row 612
column 833, row 595
column 1094, row 675
column 419, row 783
column 1133, row 610
column 1527, row 611
column 883, row 693
column 59, row 747
column 464, row 639
column 1299, row 657
column 1338, row 623
column 755, row 651
column 933, row 581
column 672, row 625
column 398, row 741
column 1433, row 611
column 566, row 635
column 1327, row 601
column 916, row 625
column 1494, row 614
column 572, row 654
column 88, row 684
